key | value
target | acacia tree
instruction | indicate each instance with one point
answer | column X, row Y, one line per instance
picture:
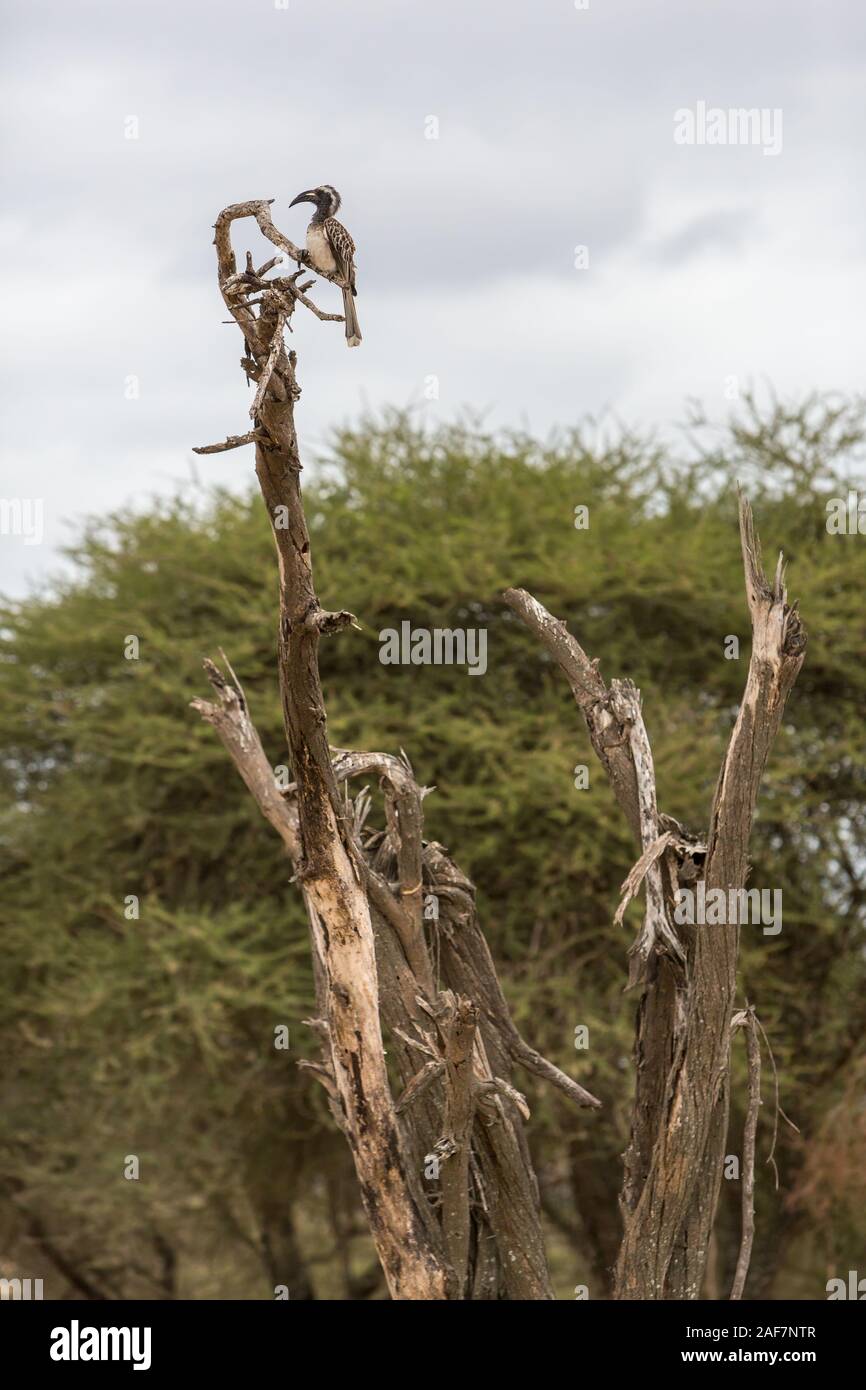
column 444, row 1170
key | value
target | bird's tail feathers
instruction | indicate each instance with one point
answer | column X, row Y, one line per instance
column 353, row 328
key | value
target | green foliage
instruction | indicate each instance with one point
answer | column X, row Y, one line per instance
column 154, row 1036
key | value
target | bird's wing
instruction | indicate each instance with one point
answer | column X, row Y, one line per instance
column 343, row 248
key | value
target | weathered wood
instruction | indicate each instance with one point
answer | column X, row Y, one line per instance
column 451, row 1052
column 750, row 1129
column 329, row 864
column 673, row 1164
column 458, row 1031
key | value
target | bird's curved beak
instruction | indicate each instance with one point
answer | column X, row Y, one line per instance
column 302, row 198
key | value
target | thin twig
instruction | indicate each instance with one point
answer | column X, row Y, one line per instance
column 777, row 1109
column 749, row 1132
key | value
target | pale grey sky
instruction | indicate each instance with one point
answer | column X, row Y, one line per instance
column 556, row 130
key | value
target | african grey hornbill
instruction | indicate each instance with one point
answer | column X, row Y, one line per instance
column 330, row 248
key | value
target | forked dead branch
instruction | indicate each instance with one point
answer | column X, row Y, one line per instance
column 687, row 974
column 476, row 1231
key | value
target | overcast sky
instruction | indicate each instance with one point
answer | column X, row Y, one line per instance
column 555, row 131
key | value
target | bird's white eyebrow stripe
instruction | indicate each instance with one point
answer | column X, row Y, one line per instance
column 333, row 195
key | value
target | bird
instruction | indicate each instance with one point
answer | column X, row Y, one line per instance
column 331, row 249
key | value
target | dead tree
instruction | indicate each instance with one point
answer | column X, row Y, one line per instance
column 476, row 1232
column 686, row 974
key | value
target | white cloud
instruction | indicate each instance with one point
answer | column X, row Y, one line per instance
column 556, row 129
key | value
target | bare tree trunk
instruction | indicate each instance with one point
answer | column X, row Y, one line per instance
column 328, row 862
column 673, row 1165
column 452, row 1050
